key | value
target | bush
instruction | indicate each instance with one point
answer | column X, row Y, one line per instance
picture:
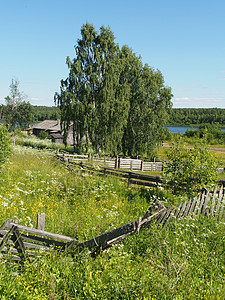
column 4, row 144
column 190, row 169
column 44, row 135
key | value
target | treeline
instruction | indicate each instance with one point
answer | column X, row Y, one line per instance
column 177, row 116
column 191, row 116
column 42, row 113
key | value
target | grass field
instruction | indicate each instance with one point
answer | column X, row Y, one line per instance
column 183, row 261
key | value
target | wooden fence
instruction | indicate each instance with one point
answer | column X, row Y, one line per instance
column 131, row 177
column 21, row 243
column 117, row 162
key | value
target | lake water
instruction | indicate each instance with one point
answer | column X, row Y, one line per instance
column 183, row 129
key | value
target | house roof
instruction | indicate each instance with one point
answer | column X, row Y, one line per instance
column 56, row 136
column 53, row 125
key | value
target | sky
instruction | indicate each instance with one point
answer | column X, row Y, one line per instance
column 185, row 40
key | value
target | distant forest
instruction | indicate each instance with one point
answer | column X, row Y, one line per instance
column 178, row 116
column 42, row 113
column 196, row 116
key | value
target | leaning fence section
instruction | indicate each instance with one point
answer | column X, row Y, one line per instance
column 21, row 243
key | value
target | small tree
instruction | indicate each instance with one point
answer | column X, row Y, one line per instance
column 5, row 148
column 190, row 168
column 16, row 110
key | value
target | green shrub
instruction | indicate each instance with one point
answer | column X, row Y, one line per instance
column 190, row 169
column 4, row 144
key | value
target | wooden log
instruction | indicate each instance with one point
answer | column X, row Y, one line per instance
column 16, row 238
column 41, row 221
column 43, row 241
column 102, row 239
column 143, row 183
column 42, row 233
column 6, row 237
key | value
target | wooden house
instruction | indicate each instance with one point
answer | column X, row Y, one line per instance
column 53, row 128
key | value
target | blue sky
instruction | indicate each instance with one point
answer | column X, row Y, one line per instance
column 185, row 40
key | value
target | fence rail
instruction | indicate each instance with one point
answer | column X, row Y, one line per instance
column 117, row 163
column 23, row 242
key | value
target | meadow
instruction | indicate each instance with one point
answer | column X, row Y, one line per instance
column 183, row 261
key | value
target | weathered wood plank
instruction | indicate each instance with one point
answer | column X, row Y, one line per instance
column 187, row 209
column 207, row 199
column 219, row 201
column 162, row 215
column 169, row 217
column 44, row 241
column 201, row 204
column 193, row 204
column 168, row 212
column 18, row 242
column 213, row 202
column 178, row 209
column 102, row 239
column 41, row 233
column 6, row 237
column 41, row 221
column 180, row 214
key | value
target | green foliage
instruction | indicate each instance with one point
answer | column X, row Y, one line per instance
column 5, row 148
column 183, row 261
column 190, row 116
column 42, row 113
column 210, row 132
column 44, row 135
column 115, row 103
column 16, row 112
column 185, row 164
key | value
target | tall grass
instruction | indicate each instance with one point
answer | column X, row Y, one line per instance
column 183, row 261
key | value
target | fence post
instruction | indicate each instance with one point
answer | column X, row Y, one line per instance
column 119, row 163
column 89, row 157
column 131, row 165
column 116, row 162
column 142, row 165
column 41, row 221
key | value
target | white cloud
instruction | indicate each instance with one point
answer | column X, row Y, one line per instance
column 182, row 99
column 36, row 99
column 199, row 102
